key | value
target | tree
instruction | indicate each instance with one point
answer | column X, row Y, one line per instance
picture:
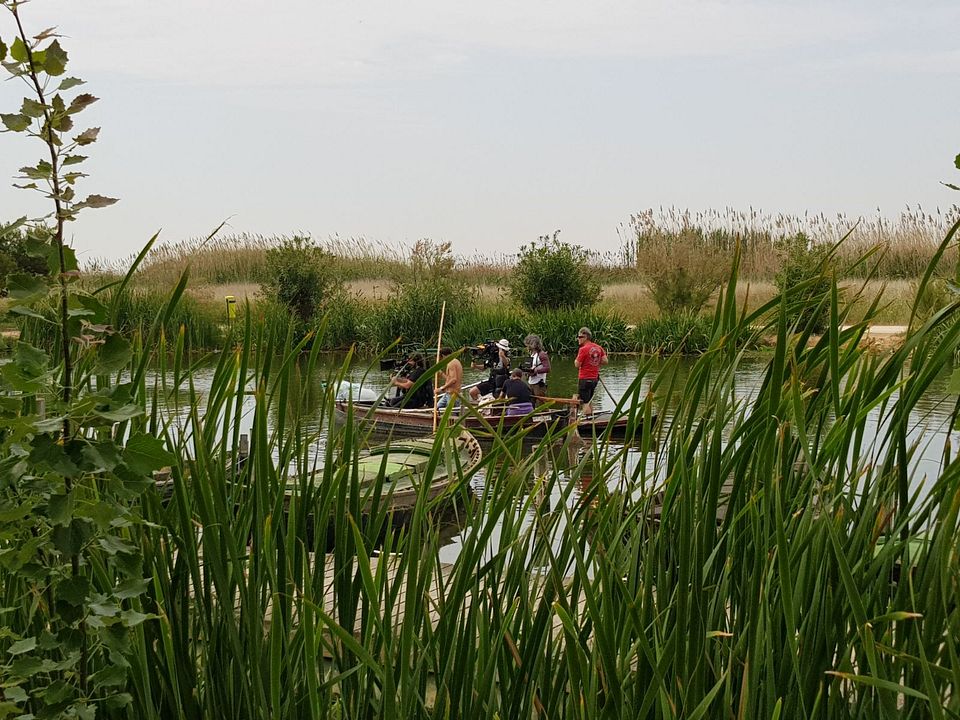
column 300, row 276
column 552, row 275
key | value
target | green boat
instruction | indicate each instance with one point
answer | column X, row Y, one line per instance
column 401, row 469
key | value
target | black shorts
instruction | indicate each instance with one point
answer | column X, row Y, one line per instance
column 487, row 387
column 585, row 390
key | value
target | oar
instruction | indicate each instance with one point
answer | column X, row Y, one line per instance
column 443, row 310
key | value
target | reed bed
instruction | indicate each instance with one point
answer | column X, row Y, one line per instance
column 761, row 557
column 906, row 243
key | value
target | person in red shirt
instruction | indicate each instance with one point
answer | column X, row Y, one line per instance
column 589, row 359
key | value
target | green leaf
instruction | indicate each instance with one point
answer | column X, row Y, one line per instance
column 70, row 539
column 102, row 456
column 144, row 454
column 60, row 508
column 120, row 414
column 18, row 51
column 27, row 312
column 3, row 51
column 81, row 102
column 15, row 122
column 16, row 694
column 114, row 354
column 956, row 162
column 74, row 590
column 55, row 62
column 135, row 587
column 70, row 82
column 73, row 160
column 48, row 454
column 32, row 108
column 30, row 359
column 22, row 646
column 26, row 288
column 114, row 545
column 26, row 667
column 132, row 618
column 110, row 676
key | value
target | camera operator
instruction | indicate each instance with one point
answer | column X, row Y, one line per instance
column 539, row 365
column 406, row 379
column 499, row 372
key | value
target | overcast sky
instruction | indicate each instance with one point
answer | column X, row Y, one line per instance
column 487, row 124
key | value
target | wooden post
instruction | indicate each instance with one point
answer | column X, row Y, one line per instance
column 443, row 311
column 244, row 450
column 42, row 408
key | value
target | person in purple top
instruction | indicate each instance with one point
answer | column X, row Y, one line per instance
column 518, row 395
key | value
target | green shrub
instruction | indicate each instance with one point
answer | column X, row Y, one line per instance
column 551, row 275
column 488, row 322
column 418, row 293
column 300, row 276
column 803, row 278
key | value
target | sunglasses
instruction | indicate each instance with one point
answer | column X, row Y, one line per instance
column 581, row 336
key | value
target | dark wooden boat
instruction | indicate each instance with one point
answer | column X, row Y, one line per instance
column 395, row 422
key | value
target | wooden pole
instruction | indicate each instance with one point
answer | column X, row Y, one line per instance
column 443, row 311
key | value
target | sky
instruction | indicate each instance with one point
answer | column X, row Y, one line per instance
column 489, row 124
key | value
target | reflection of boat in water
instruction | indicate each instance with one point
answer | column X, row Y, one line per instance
column 412, row 423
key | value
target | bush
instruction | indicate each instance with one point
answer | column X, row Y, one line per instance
column 551, row 275
column 681, row 271
column 302, row 277
column 412, row 310
column 803, row 278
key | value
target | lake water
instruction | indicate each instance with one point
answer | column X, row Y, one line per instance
column 929, row 426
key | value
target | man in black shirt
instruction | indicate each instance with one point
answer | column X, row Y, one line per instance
column 423, row 396
column 518, row 394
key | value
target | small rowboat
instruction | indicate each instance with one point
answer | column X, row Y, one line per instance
column 413, row 423
column 401, row 470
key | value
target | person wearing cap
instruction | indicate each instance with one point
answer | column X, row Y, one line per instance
column 499, row 372
column 589, row 359
column 518, row 394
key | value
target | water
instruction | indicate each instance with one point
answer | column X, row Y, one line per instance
column 929, row 425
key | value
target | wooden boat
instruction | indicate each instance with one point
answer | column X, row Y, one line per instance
column 412, row 423
column 400, row 470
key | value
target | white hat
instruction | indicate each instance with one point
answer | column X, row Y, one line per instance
column 503, row 344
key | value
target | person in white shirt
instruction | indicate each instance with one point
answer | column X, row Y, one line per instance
column 539, row 365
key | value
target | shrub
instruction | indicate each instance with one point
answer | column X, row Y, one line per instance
column 551, row 275
column 682, row 270
column 558, row 329
column 412, row 310
column 300, row 276
column 803, row 278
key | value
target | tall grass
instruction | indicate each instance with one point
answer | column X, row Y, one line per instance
column 907, row 242
column 742, row 558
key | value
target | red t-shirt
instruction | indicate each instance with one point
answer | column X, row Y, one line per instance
column 590, row 356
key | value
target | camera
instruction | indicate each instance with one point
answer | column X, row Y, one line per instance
column 527, row 366
column 488, row 353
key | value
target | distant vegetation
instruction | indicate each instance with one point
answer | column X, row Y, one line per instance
column 667, row 272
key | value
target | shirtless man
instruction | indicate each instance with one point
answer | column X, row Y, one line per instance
column 449, row 392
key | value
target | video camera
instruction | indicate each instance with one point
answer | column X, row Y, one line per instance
column 527, row 365
column 488, row 353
